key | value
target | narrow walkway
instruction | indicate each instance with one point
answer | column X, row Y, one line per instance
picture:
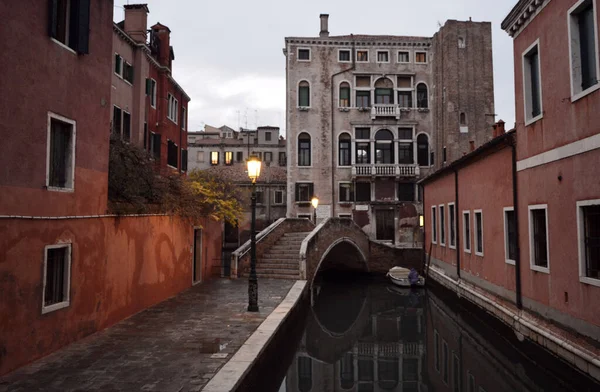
column 175, row 346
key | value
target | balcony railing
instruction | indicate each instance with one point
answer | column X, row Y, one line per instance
column 385, row 170
column 385, row 111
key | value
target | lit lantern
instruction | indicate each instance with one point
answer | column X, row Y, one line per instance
column 315, row 202
column 253, row 168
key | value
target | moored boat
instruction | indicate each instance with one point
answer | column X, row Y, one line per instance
column 400, row 277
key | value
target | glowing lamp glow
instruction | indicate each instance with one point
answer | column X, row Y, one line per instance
column 315, row 202
column 253, row 168
column 420, row 220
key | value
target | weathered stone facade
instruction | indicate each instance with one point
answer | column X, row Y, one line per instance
column 367, row 116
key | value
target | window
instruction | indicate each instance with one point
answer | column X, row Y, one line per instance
column 538, row 238
column 362, row 56
column 282, row 159
column 420, row 57
column 183, row 118
column 151, row 91
column 258, row 154
column 433, row 225
column 406, row 191
column 146, row 136
column 260, row 197
column 532, row 89
column 344, row 150
column 346, row 192
column 200, row 156
column 214, row 158
column 60, row 162
column 403, row 57
column 452, row 225
column 172, row 109
column 384, row 91
column 588, row 221
column 405, row 99
column 461, row 43
column 405, row 153
column 303, row 54
column 478, row 232
column 171, row 153
column 363, row 99
column 126, row 126
column 267, row 136
column 363, row 191
column 445, row 360
column 583, row 44
column 268, row 156
column 344, row 56
column 69, row 23
column 118, row 65
column 362, row 133
column 57, row 277
column 363, row 153
column 304, row 149
column 304, row 192
column 436, row 350
column 422, row 98
column 278, row 199
column 344, row 215
column 384, row 147
column 383, row 56
column 116, row 124
column 155, row 143
column 303, row 94
column 228, row 157
column 305, row 216
column 463, row 119
column 442, row 225
column 184, row 159
column 510, row 235
column 344, row 95
column 405, row 133
column 239, row 156
column 128, row 72
column 467, row 231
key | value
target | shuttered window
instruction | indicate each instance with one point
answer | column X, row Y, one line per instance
column 304, row 191
column 126, row 126
column 69, row 23
column 171, row 153
column 303, row 94
column 61, row 154
column 155, row 145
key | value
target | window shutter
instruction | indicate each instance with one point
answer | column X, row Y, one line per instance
column 184, row 158
column 311, row 191
column 52, row 17
column 297, row 192
column 148, row 86
column 80, row 26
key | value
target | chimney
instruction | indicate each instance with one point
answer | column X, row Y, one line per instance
column 471, row 145
column 136, row 21
column 324, row 26
column 162, row 46
column 501, row 129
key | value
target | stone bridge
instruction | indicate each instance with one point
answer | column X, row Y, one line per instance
column 335, row 244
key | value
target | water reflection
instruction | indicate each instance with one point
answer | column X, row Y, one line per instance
column 370, row 337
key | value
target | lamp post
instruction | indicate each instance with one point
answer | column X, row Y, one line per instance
column 315, row 204
column 253, row 172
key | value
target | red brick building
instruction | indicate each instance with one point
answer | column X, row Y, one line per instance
column 519, row 217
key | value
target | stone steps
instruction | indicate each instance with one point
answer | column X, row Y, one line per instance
column 281, row 261
column 279, row 264
column 294, row 276
column 270, row 256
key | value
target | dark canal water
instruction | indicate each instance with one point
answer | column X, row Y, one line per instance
column 369, row 336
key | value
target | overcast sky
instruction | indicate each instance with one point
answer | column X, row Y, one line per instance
column 229, row 59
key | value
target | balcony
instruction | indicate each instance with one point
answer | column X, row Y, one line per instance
column 385, row 111
column 385, row 170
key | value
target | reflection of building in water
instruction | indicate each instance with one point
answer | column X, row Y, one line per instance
column 382, row 350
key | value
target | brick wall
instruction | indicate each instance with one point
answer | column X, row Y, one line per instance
column 383, row 257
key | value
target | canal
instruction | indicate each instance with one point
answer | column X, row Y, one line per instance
column 368, row 336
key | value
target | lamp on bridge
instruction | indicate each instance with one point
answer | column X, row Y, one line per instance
column 254, row 164
column 315, row 204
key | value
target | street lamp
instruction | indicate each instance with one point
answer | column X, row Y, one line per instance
column 315, row 204
column 253, row 172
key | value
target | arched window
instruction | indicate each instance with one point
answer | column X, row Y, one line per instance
column 303, row 94
column 347, row 371
column 304, row 149
column 422, row 98
column 344, row 150
column 384, row 147
column 384, row 91
column 388, row 373
column 463, row 118
column 423, row 150
column 304, row 374
column 344, row 95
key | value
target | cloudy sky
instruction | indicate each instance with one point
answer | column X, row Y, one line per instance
column 229, row 59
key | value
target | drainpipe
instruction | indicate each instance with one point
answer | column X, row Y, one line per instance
column 333, row 127
column 456, row 231
column 513, row 146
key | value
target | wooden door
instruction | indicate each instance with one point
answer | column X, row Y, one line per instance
column 384, row 221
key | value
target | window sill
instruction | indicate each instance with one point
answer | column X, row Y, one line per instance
column 535, row 119
column 173, row 121
column 449, row 246
column 480, row 254
column 128, row 82
column 303, row 202
column 590, row 281
column 63, row 46
column 54, row 307
column 545, row 270
column 58, row 189
column 303, row 108
column 305, row 166
column 344, row 109
column 444, row 245
column 118, row 75
column 511, row 262
column 348, row 203
column 172, row 167
column 467, row 251
column 589, row 90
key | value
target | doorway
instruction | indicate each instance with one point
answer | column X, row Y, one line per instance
column 197, row 262
column 384, row 221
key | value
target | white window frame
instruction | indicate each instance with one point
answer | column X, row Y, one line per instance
column 297, row 150
column 340, row 194
column 298, row 94
column 368, row 55
column 466, row 217
column 442, row 225
column 377, row 56
column 434, row 231
column 183, row 118
column 527, row 97
column 298, row 54
column 573, row 31
column 67, row 284
column 123, row 72
column 580, row 242
column 398, row 57
column 474, row 230
column 73, row 124
column 344, row 50
column 275, row 197
column 120, row 73
column 153, row 93
column 172, row 108
column 450, row 226
column 506, row 244
column 426, row 57
column 531, row 252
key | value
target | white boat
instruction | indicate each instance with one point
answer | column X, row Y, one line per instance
column 399, row 276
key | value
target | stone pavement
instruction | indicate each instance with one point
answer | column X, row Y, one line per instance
column 177, row 345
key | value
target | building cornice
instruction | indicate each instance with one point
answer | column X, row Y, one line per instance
column 126, row 37
column 521, row 15
column 399, row 42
